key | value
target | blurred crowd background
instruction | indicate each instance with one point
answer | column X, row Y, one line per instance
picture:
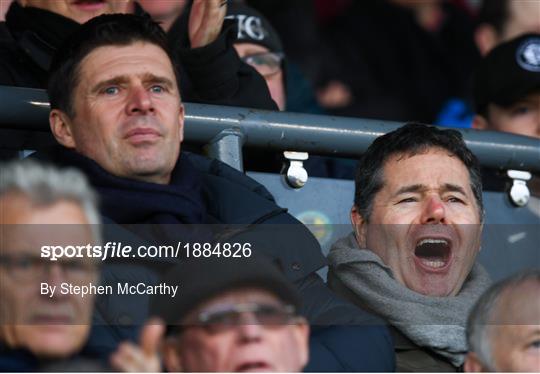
column 397, row 60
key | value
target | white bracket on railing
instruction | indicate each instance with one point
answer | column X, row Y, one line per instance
column 519, row 192
column 293, row 169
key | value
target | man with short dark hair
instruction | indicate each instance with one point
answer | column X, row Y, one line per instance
column 503, row 330
column 124, row 128
column 507, row 88
column 417, row 219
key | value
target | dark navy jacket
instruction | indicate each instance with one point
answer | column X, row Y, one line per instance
column 362, row 343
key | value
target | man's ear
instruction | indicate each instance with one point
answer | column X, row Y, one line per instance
column 485, row 37
column 61, row 128
column 302, row 339
column 359, row 227
column 480, row 122
column 472, row 364
column 171, row 357
column 181, row 119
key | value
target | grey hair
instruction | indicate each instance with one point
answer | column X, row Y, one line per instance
column 46, row 185
column 481, row 316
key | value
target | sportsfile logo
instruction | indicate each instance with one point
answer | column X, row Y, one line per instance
column 118, row 250
column 109, row 250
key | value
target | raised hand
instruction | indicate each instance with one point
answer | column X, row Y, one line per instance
column 205, row 21
column 144, row 357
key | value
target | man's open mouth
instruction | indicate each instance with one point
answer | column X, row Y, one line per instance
column 433, row 253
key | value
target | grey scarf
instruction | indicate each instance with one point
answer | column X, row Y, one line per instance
column 436, row 323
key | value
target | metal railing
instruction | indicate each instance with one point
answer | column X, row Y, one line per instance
column 227, row 129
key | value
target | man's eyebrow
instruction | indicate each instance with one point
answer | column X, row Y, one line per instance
column 152, row 78
column 110, row 82
column 419, row 188
column 411, row 188
column 449, row 187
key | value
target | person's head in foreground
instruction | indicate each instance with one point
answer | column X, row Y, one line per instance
column 503, row 330
column 115, row 99
column 44, row 206
column 234, row 315
column 258, row 44
column 507, row 88
column 79, row 10
column 418, row 206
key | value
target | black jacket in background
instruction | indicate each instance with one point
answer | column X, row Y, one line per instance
column 213, row 74
column 396, row 69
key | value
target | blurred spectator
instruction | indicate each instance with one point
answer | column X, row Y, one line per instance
column 502, row 20
column 392, row 60
column 34, row 29
column 498, row 21
column 242, row 316
column 417, row 220
column 507, row 88
column 306, row 47
column 43, row 205
column 507, row 96
column 503, row 330
column 259, row 45
column 211, row 71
